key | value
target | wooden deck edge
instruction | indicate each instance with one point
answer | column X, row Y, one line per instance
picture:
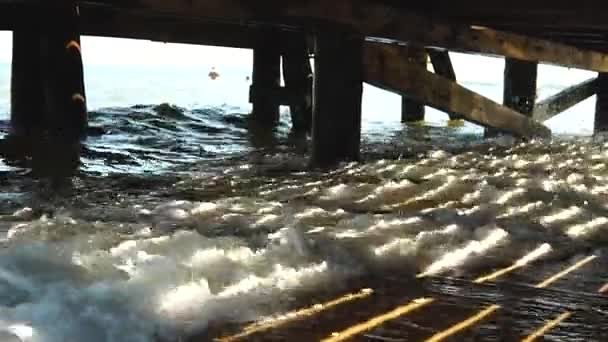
column 374, row 19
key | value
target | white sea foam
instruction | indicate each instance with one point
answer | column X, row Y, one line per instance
column 164, row 268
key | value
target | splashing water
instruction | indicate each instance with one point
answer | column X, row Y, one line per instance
column 146, row 257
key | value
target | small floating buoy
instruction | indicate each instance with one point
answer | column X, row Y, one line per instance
column 213, row 75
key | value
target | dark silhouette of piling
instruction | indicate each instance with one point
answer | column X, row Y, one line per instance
column 442, row 64
column 601, row 105
column 520, row 85
column 411, row 109
column 66, row 111
column 298, row 77
column 27, row 94
column 49, row 114
column 266, row 82
column 519, row 92
column 338, row 88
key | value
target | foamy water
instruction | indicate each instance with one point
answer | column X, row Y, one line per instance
column 150, row 264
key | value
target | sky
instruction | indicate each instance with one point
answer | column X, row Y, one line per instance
column 112, row 51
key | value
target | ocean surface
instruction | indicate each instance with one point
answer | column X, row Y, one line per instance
column 184, row 221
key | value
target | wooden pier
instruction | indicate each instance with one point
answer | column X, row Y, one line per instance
column 382, row 42
column 399, row 308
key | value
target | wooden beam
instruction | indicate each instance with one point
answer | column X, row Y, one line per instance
column 565, row 99
column 442, row 65
column 137, row 25
column 601, row 105
column 567, row 27
column 105, row 21
column 411, row 109
column 27, row 94
column 382, row 68
column 519, row 91
column 266, row 82
column 376, row 19
column 540, row 13
column 338, row 90
column 511, row 45
column 298, row 77
column 57, row 155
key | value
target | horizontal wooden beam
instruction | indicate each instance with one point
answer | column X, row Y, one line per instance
column 377, row 19
column 124, row 23
column 541, row 13
column 565, row 99
column 489, row 41
column 390, row 20
column 374, row 19
column 128, row 24
column 383, row 69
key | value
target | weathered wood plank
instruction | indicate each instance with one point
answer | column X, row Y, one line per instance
column 601, row 105
column 568, row 27
column 539, row 13
column 519, row 91
column 338, row 89
column 122, row 23
column 565, row 99
column 127, row 24
column 377, row 19
column 381, row 68
column 57, row 154
column 489, row 41
column 442, row 64
column 411, row 109
column 266, row 82
column 27, row 94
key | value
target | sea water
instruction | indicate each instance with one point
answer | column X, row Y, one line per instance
column 183, row 216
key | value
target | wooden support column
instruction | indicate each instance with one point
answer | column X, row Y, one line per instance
column 519, row 92
column 338, row 88
column 442, row 65
column 266, row 81
column 411, row 109
column 27, row 95
column 57, row 153
column 298, row 77
column 601, row 106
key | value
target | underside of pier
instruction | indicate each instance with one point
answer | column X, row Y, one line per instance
column 382, row 42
